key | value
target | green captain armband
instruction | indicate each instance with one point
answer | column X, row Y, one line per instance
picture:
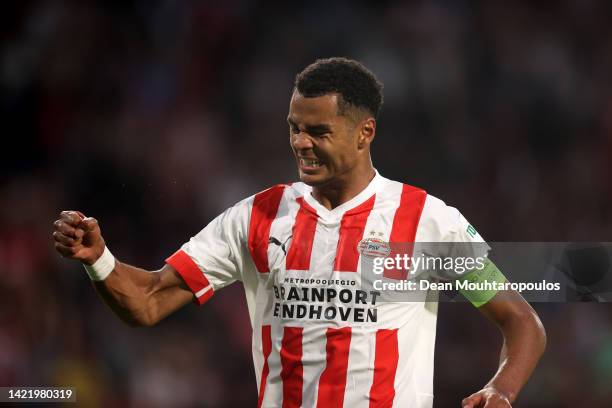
column 489, row 275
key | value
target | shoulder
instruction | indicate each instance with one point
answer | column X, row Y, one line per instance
column 440, row 216
column 272, row 196
column 436, row 208
column 444, row 223
column 396, row 192
column 266, row 202
column 436, row 219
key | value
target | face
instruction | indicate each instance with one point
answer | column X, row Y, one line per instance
column 326, row 145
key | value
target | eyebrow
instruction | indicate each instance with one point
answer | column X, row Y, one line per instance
column 318, row 128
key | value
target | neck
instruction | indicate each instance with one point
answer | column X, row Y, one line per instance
column 339, row 191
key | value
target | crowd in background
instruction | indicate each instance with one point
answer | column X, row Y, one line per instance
column 154, row 117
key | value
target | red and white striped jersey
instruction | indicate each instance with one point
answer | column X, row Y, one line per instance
column 319, row 340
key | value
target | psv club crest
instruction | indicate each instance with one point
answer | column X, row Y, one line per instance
column 373, row 247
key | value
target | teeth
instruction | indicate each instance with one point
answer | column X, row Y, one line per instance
column 310, row 163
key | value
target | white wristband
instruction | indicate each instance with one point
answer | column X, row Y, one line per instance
column 103, row 266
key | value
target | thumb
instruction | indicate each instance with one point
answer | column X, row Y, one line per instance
column 89, row 224
column 471, row 401
column 92, row 241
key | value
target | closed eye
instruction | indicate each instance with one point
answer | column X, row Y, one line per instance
column 318, row 131
column 312, row 130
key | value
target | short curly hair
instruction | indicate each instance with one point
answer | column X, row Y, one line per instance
column 357, row 85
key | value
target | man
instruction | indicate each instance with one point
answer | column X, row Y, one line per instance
column 302, row 251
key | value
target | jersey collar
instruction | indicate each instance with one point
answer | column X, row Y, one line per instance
column 335, row 214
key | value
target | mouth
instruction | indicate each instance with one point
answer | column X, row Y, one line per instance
column 309, row 166
column 313, row 163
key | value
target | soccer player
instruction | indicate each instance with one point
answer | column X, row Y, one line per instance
column 319, row 338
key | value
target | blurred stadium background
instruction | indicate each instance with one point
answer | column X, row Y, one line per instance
column 155, row 116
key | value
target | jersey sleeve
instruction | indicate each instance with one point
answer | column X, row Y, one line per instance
column 450, row 236
column 446, row 234
column 215, row 257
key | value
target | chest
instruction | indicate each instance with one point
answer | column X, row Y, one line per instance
column 304, row 243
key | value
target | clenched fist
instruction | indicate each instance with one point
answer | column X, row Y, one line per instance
column 78, row 237
column 488, row 397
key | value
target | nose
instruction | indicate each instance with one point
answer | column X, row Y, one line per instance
column 301, row 141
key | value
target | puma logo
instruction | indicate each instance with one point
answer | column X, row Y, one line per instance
column 276, row 241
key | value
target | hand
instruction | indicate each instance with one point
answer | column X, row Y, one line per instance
column 488, row 397
column 78, row 237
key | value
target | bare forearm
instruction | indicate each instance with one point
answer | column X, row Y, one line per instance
column 524, row 343
column 126, row 291
column 138, row 297
column 143, row 298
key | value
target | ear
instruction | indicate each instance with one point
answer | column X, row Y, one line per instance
column 367, row 131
